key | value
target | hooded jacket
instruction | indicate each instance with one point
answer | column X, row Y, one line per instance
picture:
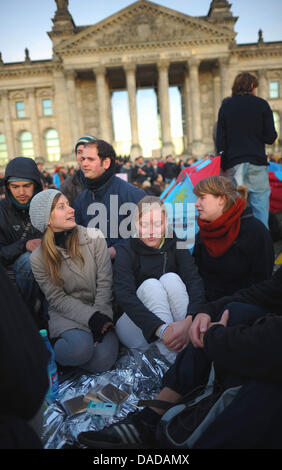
column 15, row 227
column 135, row 262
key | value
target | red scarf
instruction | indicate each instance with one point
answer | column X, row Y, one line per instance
column 219, row 235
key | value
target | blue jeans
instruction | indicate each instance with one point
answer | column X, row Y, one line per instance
column 25, row 281
column 255, row 177
column 76, row 348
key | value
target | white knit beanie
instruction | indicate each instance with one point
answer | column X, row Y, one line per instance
column 40, row 208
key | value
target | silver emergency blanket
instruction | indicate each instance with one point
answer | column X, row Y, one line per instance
column 137, row 373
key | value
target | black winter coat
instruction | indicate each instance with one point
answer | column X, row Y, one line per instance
column 249, row 260
column 252, row 352
column 23, row 368
column 245, row 124
column 15, row 227
column 135, row 262
column 73, row 186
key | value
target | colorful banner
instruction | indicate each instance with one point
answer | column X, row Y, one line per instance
column 179, row 198
column 275, row 181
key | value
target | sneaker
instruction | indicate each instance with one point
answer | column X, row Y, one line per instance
column 130, row 433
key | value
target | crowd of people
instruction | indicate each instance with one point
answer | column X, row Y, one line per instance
column 150, row 174
column 90, row 255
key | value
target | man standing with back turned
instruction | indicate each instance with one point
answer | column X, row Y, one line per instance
column 245, row 125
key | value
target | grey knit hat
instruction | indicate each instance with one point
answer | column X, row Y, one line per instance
column 40, row 208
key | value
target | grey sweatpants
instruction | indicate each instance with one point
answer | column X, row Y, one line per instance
column 76, row 348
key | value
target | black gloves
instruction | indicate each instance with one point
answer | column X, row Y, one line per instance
column 96, row 324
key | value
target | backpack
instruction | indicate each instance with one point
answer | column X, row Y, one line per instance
column 184, row 422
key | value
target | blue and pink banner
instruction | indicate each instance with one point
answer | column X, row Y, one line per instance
column 275, row 181
column 179, row 198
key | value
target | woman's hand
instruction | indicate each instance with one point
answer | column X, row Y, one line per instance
column 176, row 335
column 99, row 325
column 198, row 328
column 105, row 328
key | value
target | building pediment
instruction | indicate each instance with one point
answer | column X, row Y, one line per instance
column 143, row 24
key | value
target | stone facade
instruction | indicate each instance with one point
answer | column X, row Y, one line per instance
column 143, row 45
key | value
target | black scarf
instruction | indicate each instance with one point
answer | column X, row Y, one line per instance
column 97, row 183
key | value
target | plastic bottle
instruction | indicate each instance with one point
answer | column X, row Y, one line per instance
column 52, row 393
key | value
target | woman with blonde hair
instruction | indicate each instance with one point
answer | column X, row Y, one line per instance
column 233, row 249
column 73, row 269
column 156, row 283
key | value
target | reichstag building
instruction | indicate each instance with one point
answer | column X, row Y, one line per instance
column 46, row 105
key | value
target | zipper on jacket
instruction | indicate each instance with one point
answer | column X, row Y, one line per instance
column 165, row 261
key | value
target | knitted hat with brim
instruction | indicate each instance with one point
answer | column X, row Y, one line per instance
column 40, row 208
column 84, row 140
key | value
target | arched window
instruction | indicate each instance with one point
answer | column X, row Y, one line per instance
column 52, row 145
column 26, row 144
column 3, row 150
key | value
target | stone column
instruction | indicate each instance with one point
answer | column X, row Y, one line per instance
column 216, row 93
column 79, row 106
column 263, row 91
column 187, row 104
column 195, row 106
column 72, row 102
column 10, row 138
column 163, row 96
column 62, row 114
column 136, row 149
column 216, row 103
column 103, row 103
column 37, row 144
column 224, row 77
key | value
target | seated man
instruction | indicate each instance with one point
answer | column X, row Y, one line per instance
column 18, row 238
column 247, row 352
column 99, row 206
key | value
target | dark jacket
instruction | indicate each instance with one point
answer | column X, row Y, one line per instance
column 15, row 227
column 136, row 176
column 253, row 352
column 245, row 125
column 265, row 294
column 249, row 260
column 170, row 171
column 23, row 358
column 109, row 222
column 135, row 262
column 73, row 186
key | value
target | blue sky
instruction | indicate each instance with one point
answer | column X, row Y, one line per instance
column 24, row 23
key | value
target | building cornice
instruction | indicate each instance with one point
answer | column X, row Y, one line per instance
column 264, row 49
column 21, row 69
column 142, row 46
